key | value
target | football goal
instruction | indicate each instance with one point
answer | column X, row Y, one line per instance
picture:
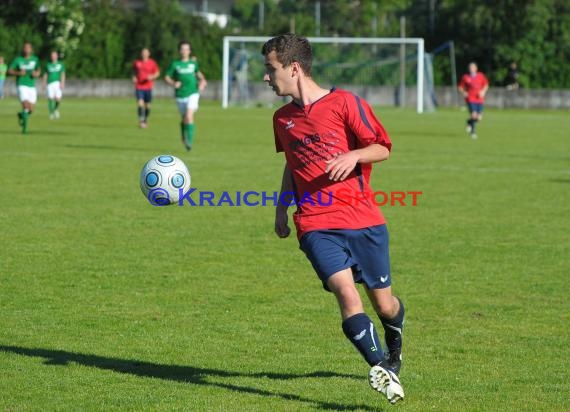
column 385, row 71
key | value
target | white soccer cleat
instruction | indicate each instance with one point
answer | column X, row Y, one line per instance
column 56, row 114
column 385, row 381
column 469, row 129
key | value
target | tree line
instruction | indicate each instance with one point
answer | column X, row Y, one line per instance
column 101, row 38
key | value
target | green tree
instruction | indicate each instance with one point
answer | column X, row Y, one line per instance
column 101, row 50
column 160, row 26
column 19, row 20
column 64, row 24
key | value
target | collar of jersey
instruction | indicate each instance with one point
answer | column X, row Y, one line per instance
column 332, row 90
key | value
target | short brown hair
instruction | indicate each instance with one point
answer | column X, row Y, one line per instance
column 290, row 48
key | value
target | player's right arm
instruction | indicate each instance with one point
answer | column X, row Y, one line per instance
column 135, row 72
column 281, row 219
column 15, row 70
column 169, row 77
column 461, row 88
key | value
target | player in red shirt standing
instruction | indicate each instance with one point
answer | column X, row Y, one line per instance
column 474, row 86
column 145, row 71
column 330, row 139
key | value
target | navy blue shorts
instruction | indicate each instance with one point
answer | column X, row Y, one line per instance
column 475, row 107
column 144, row 95
column 363, row 250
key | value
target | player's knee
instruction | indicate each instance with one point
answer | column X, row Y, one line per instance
column 349, row 300
column 387, row 308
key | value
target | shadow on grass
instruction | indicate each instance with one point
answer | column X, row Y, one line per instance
column 560, row 180
column 192, row 375
column 104, row 147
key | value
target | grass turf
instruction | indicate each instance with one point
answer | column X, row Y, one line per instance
column 109, row 303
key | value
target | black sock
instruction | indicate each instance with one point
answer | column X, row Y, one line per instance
column 146, row 113
column 473, row 123
column 140, row 113
column 360, row 330
column 393, row 328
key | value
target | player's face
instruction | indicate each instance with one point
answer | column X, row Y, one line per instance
column 145, row 54
column 53, row 56
column 185, row 51
column 472, row 68
column 27, row 49
column 277, row 77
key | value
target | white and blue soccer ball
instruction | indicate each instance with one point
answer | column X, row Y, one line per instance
column 163, row 179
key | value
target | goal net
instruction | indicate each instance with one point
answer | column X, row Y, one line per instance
column 384, row 71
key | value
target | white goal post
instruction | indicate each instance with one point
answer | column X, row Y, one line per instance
column 259, row 40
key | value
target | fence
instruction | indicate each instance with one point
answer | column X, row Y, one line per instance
column 377, row 95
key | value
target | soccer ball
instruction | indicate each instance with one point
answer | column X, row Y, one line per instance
column 163, row 179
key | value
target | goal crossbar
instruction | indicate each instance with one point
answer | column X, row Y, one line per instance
column 419, row 42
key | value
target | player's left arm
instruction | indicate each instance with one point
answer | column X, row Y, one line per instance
column 341, row 166
column 62, row 80
column 373, row 143
column 202, row 83
column 156, row 73
column 38, row 72
column 483, row 91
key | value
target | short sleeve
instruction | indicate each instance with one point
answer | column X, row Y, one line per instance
column 278, row 145
column 364, row 124
column 15, row 65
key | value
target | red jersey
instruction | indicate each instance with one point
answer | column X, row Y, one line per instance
column 473, row 86
column 311, row 135
column 143, row 69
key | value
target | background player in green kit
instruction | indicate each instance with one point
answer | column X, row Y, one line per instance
column 54, row 77
column 188, row 81
column 3, row 70
column 26, row 68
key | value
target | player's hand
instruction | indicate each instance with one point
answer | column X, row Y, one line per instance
column 340, row 166
column 281, row 224
column 177, row 85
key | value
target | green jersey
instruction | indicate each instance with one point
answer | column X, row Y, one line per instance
column 29, row 64
column 54, row 71
column 185, row 73
column 3, row 69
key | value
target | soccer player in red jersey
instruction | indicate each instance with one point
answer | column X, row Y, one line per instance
column 330, row 139
column 145, row 71
column 473, row 86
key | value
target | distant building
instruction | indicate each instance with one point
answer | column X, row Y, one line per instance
column 214, row 11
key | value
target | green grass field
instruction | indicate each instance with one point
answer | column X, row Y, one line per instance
column 108, row 303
